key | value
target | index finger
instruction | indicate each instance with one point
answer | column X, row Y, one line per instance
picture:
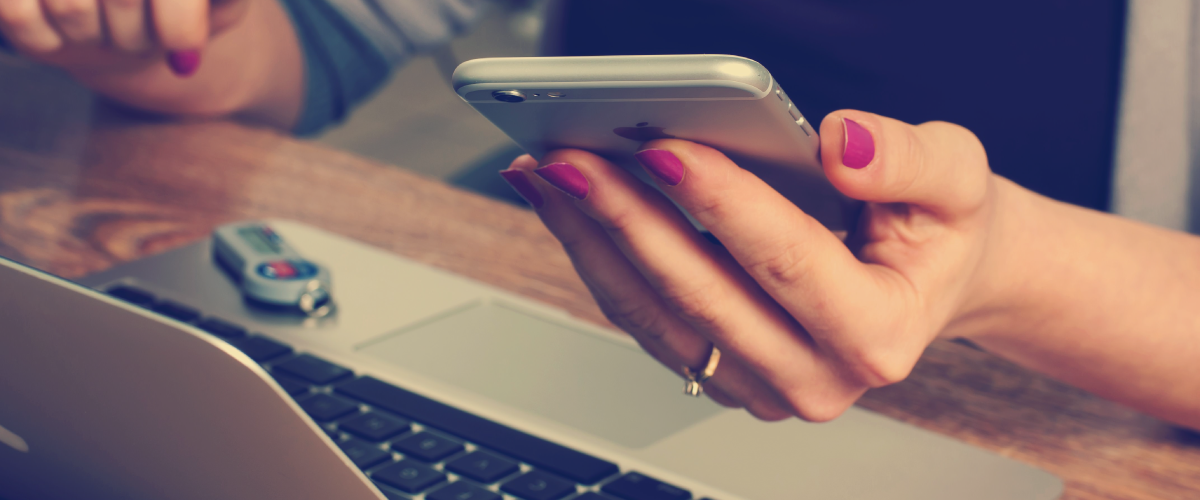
column 799, row 262
column 181, row 25
column 855, row 311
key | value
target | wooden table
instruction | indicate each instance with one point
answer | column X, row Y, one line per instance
column 136, row 188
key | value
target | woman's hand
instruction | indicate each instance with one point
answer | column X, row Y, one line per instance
column 805, row 322
column 138, row 52
column 117, row 35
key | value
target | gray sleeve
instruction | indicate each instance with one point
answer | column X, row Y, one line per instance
column 401, row 28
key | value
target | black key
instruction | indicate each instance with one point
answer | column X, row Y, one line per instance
column 427, row 447
column 592, row 496
column 364, row 455
column 135, row 296
column 389, row 493
column 634, row 486
column 374, row 426
column 313, row 369
column 177, row 311
column 553, row 457
column 482, row 466
column 323, row 407
column 538, row 485
column 261, row 348
column 408, row 476
column 462, row 490
column 292, row 386
column 221, row 328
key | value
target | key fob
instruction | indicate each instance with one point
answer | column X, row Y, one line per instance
column 269, row 271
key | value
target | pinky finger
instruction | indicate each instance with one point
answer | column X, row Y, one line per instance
column 25, row 25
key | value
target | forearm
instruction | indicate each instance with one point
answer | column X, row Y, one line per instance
column 254, row 71
column 1104, row 303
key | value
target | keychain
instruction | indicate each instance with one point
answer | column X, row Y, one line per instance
column 269, row 271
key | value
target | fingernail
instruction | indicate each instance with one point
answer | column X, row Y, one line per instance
column 184, row 62
column 565, row 177
column 523, row 187
column 663, row 164
column 860, row 146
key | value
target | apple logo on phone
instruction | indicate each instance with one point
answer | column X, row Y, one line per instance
column 642, row 132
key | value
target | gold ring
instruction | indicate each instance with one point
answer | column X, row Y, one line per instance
column 692, row 387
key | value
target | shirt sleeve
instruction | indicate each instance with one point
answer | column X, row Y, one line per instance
column 351, row 46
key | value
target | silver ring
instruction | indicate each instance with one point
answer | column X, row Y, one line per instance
column 693, row 387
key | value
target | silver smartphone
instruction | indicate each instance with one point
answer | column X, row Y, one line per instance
column 610, row 105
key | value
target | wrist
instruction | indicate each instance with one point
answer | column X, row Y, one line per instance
column 1002, row 295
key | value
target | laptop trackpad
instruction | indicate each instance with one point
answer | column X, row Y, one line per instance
column 518, row 358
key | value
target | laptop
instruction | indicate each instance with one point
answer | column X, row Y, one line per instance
column 154, row 379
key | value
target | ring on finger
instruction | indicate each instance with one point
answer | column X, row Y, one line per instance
column 695, row 378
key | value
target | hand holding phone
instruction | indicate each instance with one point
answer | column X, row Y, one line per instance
column 806, row 322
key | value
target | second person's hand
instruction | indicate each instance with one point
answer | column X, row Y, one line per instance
column 90, row 36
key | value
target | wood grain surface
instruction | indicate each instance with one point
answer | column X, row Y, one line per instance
column 133, row 188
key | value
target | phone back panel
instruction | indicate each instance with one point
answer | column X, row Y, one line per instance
column 610, row 105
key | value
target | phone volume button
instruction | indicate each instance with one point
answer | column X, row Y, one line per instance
column 795, row 114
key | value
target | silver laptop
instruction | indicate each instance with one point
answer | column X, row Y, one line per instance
column 162, row 383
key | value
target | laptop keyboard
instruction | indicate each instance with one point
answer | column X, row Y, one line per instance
column 413, row 447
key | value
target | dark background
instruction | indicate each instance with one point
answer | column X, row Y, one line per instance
column 1036, row 80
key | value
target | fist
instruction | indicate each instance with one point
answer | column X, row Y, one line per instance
column 90, row 36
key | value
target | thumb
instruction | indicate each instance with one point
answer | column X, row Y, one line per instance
column 938, row 166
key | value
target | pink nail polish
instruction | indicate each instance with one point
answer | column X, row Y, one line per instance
column 663, row 164
column 523, row 187
column 859, row 147
column 184, row 62
column 566, row 178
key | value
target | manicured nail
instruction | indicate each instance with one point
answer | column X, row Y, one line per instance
column 184, row 62
column 663, row 164
column 565, row 177
column 860, row 146
column 523, row 187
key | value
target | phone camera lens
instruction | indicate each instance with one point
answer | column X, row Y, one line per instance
column 509, row 96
